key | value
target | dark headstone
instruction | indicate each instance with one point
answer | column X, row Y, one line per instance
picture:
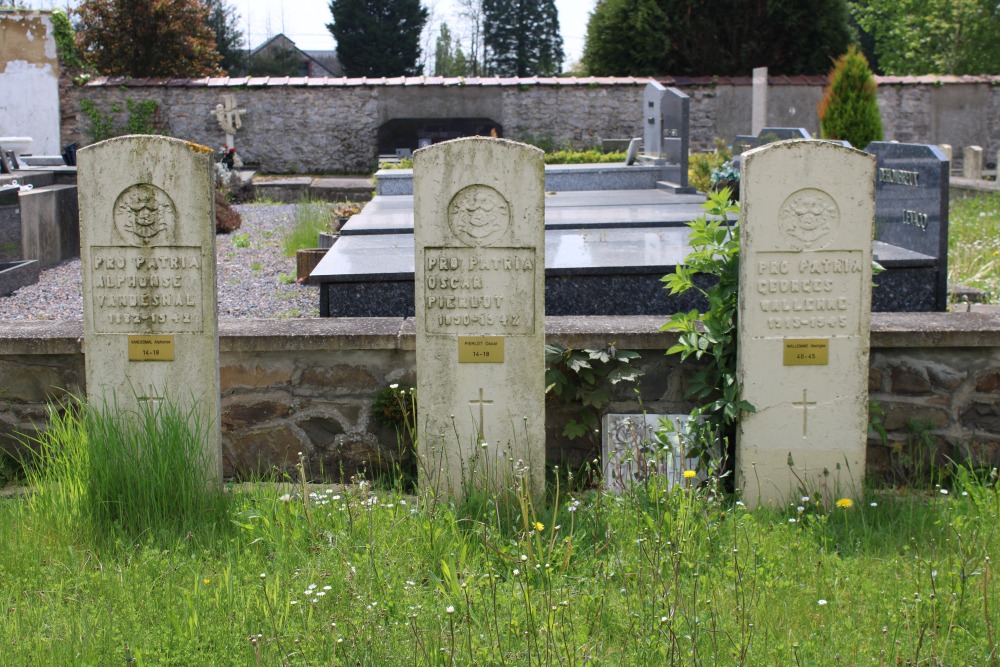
column 911, row 204
column 676, row 118
column 5, row 166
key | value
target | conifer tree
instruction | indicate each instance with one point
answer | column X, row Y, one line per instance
column 849, row 108
column 378, row 37
column 521, row 38
column 224, row 21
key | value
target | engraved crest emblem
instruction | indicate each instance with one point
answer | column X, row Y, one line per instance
column 808, row 218
column 479, row 215
column 144, row 215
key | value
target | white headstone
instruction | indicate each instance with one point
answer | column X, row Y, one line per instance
column 480, row 312
column 758, row 108
column 808, row 209
column 972, row 162
column 147, row 228
column 946, row 149
column 29, row 81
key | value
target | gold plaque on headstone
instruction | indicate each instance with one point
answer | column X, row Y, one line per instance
column 807, row 352
column 480, row 349
column 150, row 348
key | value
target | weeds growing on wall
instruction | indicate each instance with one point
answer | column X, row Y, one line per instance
column 142, row 119
column 710, row 337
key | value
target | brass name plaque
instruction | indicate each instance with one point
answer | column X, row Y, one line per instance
column 807, row 352
column 480, row 349
column 151, row 348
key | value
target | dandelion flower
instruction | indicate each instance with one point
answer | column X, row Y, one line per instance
column 690, row 474
column 206, row 582
column 539, row 526
column 845, row 503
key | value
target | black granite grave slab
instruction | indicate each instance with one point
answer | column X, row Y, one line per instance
column 911, row 204
column 588, row 272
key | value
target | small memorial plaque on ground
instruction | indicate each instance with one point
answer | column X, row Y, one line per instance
column 805, row 308
column 147, row 230
column 479, row 297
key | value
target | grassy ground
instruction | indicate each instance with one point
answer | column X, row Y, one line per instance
column 973, row 250
column 363, row 576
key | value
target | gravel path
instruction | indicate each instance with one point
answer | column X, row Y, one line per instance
column 250, row 278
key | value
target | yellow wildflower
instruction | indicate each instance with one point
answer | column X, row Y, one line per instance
column 206, row 582
column 690, row 474
column 846, row 503
column 539, row 526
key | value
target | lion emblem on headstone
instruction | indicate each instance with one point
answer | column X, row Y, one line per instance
column 808, row 218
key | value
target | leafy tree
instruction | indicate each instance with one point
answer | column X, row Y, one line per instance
column 147, row 38
column 626, row 37
column 849, row 108
column 521, row 38
column 224, row 21
column 724, row 37
column 378, row 37
column 449, row 59
column 471, row 11
column 933, row 36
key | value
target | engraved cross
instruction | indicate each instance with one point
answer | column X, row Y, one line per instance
column 805, row 411
column 481, row 402
column 152, row 398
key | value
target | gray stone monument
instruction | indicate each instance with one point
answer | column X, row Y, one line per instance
column 480, row 313
column 808, row 209
column 972, row 163
column 147, row 214
column 758, row 108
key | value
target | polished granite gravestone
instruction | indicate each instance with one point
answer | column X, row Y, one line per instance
column 911, row 212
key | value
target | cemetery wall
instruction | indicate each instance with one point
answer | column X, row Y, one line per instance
column 309, row 387
column 331, row 125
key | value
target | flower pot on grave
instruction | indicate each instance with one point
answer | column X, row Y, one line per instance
column 305, row 261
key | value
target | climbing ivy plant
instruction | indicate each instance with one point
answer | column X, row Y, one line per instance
column 710, row 336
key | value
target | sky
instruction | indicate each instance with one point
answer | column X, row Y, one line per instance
column 304, row 21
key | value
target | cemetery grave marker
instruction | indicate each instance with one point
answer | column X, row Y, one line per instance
column 633, row 447
column 804, row 318
column 480, row 312
column 911, row 204
column 147, row 210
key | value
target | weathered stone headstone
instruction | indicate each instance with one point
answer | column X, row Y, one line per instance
column 805, row 309
column 946, row 151
column 480, row 312
column 147, row 214
column 758, row 108
column 911, row 203
column 972, row 162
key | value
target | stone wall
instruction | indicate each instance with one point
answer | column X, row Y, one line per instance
column 308, row 386
column 330, row 125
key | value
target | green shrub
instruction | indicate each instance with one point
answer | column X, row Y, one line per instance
column 701, row 165
column 849, row 108
column 591, row 156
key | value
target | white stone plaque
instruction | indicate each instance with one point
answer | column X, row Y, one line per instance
column 805, row 275
column 147, row 228
column 479, row 277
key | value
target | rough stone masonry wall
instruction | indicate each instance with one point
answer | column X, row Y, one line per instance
column 330, row 126
column 308, row 385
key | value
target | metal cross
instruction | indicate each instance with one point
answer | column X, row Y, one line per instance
column 482, row 401
column 805, row 412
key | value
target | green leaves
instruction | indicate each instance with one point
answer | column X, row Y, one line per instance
column 579, row 378
column 708, row 336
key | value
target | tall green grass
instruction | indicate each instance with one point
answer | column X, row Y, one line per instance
column 361, row 575
column 311, row 218
column 104, row 472
column 973, row 255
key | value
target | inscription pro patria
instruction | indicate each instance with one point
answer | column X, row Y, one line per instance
column 154, row 289
column 470, row 288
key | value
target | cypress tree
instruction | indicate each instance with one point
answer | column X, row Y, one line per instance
column 521, row 38
column 849, row 108
column 378, row 37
